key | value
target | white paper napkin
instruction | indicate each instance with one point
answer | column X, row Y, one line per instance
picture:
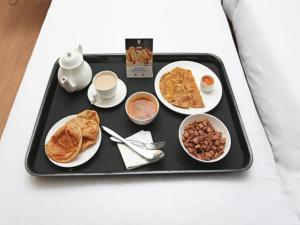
column 131, row 159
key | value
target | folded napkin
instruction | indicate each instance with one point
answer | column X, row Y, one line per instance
column 131, row 159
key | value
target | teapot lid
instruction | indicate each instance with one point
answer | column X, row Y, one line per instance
column 70, row 60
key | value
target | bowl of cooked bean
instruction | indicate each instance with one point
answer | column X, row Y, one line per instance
column 204, row 137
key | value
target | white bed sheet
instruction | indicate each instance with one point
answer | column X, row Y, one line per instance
column 229, row 7
column 253, row 197
column 268, row 37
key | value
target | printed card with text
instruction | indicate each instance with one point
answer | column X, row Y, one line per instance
column 139, row 57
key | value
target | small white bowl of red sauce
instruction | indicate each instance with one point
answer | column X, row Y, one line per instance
column 207, row 83
column 142, row 108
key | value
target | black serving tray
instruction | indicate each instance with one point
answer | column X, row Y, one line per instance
column 57, row 104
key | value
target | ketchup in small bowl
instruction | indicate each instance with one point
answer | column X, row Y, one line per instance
column 207, row 83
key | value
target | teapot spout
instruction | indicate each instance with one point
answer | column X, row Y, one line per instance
column 69, row 86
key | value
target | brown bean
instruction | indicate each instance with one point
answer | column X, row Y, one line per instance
column 193, row 154
column 215, row 137
column 196, row 140
column 223, row 141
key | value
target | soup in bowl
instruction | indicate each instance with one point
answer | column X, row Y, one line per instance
column 142, row 108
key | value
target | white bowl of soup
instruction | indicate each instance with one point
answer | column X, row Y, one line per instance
column 142, row 108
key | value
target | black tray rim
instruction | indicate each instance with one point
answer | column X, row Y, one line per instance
column 132, row 172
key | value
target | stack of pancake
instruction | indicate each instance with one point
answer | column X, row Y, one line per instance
column 74, row 137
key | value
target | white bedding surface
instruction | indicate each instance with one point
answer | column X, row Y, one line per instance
column 252, row 197
column 229, row 7
column 268, row 35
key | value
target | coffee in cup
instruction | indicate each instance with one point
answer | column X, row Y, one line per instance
column 106, row 82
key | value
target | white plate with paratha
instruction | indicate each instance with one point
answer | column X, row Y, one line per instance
column 83, row 156
column 198, row 70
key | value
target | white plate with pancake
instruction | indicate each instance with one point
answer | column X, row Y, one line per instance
column 210, row 100
column 83, row 156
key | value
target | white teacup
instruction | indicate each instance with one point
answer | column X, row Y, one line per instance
column 105, row 83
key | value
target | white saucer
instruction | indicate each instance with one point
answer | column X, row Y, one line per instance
column 211, row 100
column 82, row 157
column 111, row 102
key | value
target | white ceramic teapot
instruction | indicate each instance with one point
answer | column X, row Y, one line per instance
column 74, row 73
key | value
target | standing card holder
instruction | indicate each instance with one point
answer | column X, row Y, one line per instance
column 139, row 57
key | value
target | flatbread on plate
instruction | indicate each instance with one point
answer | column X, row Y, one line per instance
column 65, row 144
column 179, row 88
column 90, row 115
column 89, row 129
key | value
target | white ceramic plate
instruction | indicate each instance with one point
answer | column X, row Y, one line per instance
column 82, row 157
column 210, row 100
column 111, row 102
column 216, row 123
